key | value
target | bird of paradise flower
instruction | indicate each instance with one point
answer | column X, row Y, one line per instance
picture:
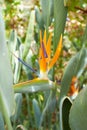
column 45, row 60
column 45, row 64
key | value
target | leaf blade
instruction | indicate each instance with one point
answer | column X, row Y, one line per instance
column 6, row 77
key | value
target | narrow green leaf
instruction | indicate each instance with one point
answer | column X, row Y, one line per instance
column 47, row 11
column 65, row 106
column 84, row 39
column 6, row 77
column 17, row 64
column 12, row 43
column 30, row 117
column 78, row 112
column 60, row 14
column 18, row 99
column 30, row 34
column 32, row 86
column 39, row 18
column 50, row 105
column 37, row 112
column 5, row 112
column 82, row 62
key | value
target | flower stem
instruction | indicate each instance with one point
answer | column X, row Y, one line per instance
column 5, row 113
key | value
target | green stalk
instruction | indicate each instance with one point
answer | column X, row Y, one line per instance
column 7, row 119
column 49, row 115
column 5, row 113
column 28, row 109
column 60, row 14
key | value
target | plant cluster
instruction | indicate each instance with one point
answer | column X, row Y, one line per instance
column 37, row 91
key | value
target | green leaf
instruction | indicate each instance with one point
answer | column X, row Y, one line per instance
column 37, row 112
column 75, row 67
column 18, row 99
column 32, row 86
column 45, row 16
column 17, row 64
column 47, row 11
column 50, row 106
column 78, row 112
column 39, row 18
column 84, row 39
column 30, row 117
column 51, row 102
column 30, row 34
column 6, row 77
column 12, row 44
column 60, row 14
column 65, row 106
column 82, row 61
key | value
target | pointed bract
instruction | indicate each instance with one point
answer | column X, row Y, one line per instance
column 49, row 47
column 57, row 54
column 42, row 60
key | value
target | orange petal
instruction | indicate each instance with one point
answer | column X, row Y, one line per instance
column 48, row 47
column 73, row 90
column 43, row 44
column 42, row 60
column 57, row 54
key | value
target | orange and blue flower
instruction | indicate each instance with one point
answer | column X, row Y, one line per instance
column 45, row 60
